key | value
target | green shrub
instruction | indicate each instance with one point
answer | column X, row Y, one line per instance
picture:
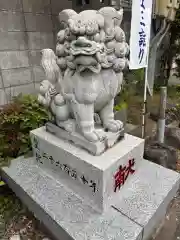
column 120, row 106
column 19, row 117
column 133, row 85
column 174, row 92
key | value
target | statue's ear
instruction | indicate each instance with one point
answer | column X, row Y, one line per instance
column 65, row 15
column 100, row 20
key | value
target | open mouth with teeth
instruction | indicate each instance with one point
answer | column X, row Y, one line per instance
column 84, row 52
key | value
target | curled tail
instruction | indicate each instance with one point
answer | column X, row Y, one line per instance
column 51, row 69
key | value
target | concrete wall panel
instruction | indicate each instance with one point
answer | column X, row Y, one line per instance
column 26, row 27
column 35, row 57
column 13, row 41
column 37, row 6
column 40, row 40
column 38, row 74
column 14, row 59
column 14, row 5
column 11, row 21
column 3, row 99
column 15, row 77
column 38, row 22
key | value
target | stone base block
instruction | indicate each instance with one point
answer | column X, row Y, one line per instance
column 97, row 179
column 138, row 210
column 96, row 148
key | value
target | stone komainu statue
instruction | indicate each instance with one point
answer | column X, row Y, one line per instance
column 85, row 74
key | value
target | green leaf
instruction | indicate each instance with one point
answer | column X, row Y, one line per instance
column 16, row 121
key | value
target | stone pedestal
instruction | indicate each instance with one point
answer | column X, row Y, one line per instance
column 96, row 179
column 115, row 196
column 139, row 208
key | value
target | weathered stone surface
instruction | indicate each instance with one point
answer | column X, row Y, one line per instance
column 13, row 41
column 38, row 22
column 40, row 40
column 14, row 77
column 174, row 124
column 11, row 21
column 92, row 177
column 161, row 154
column 14, row 59
column 172, row 137
column 154, row 113
column 146, row 197
column 37, row 6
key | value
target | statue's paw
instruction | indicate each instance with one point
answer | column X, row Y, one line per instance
column 68, row 125
column 113, row 125
column 95, row 136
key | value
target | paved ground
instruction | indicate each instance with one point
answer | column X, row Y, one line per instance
column 170, row 230
column 177, row 209
column 171, row 227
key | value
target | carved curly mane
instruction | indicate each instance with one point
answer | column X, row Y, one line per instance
column 103, row 38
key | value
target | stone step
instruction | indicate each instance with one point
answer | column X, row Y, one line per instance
column 139, row 208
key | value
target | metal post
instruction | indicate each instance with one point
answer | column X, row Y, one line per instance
column 155, row 44
column 144, row 103
column 162, row 115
